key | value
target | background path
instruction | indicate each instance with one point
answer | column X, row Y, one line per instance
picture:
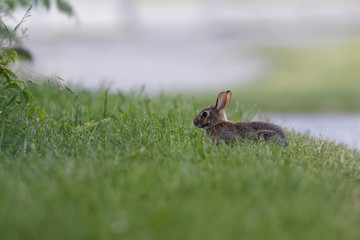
column 178, row 45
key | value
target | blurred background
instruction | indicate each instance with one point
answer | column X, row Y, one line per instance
column 298, row 61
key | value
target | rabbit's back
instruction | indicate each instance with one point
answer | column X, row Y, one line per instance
column 260, row 126
column 229, row 131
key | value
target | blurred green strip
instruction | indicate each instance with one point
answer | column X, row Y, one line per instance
column 323, row 79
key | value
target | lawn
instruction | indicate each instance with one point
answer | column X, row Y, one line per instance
column 127, row 166
column 307, row 79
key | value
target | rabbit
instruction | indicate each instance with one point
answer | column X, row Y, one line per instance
column 219, row 128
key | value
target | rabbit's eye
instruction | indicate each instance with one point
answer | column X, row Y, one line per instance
column 204, row 114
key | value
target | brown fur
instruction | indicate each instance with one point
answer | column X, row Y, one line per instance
column 220, row 129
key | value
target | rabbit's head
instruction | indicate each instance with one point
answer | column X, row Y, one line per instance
column 214, row 114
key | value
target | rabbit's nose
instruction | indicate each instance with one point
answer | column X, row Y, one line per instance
column 196, row 121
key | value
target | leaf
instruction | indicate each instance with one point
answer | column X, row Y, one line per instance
column 10, row 4
column 6, row 75
column 65, row 7
column 23, row 95
column 17, row 81
column 7, row 30
column 7, row 61
column 28, row 94
column 23, row 54
column 10, row 72
column 46, row 3
column 40, row 113
column 13, row 85
column 10, row 100
column 31, row 110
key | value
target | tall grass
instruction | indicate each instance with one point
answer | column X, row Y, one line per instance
column 126, row 166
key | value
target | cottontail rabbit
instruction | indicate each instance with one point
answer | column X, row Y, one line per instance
column 214, row 121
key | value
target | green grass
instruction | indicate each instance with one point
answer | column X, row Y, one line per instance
column 317, row 79
column 134, row 167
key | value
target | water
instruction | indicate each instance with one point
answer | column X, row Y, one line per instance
column 341, row 128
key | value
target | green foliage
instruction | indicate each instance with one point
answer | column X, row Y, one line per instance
column 16, row 101
column 126, row 166
column 65, row 7
column 12, row 90
column 10, row 5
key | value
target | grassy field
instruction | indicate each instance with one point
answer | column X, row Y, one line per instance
column 126, row 166
column 308, row 79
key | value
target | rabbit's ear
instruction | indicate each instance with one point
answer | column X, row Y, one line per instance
column 228, row 98
column 221, row 101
